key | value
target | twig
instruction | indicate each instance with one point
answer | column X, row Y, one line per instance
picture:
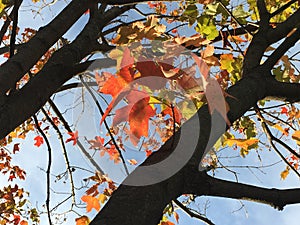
column 105, row 123
column 68, row 128
column 192, row 214
column 48, row 168
column 64, row 153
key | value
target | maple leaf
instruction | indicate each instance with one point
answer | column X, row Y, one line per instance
column 23, row 222
column 97, row 143
column 148, row 152
column 284, row 110
column 16, row 148
column 137, row 112
column 113, row 154
column 74, row 137
column 296, row 136
column 83, row 220
column 39, row 140
column 243, row 143
column 92, row 203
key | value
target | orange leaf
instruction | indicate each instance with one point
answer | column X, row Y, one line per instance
column 23, row 222
column 176, row 216
column 74, row 137
column 83, row 220
column 92, row 202
column 126, row 71
column 243, row 143
column 296, row 136
column 148, row 152
column 38, row 141
column 132, row 161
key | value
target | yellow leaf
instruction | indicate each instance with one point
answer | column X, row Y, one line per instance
column 243, row 143
column 296, row 136
column 284, row 131
column 285, row 173
column 102, row 198
column 2, row 7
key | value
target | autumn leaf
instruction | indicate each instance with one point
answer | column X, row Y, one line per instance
column 284, row 110
column 92, row 202
column 243, row 143
column 74, row 137
column 102, row 198
column 226, row 62
column 97, row 143
column 23, row 222
column 38, row 141
column 148, row 152
column 16, row 148
column 137, row 113
column 132, row 161
column 296, row 136
column 285, row 173
column 83, row 220
column 176, row 216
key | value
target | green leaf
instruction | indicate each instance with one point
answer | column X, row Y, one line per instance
column 206, row 26
column 240, row 14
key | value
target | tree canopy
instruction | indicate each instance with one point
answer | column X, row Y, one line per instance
column 138, row 109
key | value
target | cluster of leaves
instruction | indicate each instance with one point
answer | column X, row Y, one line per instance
column 13, row 205
column 93, row 197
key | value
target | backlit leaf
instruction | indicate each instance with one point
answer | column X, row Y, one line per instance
column 92, row 202
column 39, row 140
column 83, row 220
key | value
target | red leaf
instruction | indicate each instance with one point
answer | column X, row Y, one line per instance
column 38, row 141
column 74, row 137
column 284, row 110
column 126, row 71
column 148, row 152
column 92, row 202
column 16, row 148
column 137, row 112
column 139, row 119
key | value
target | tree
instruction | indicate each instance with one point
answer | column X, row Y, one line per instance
column 35, row 71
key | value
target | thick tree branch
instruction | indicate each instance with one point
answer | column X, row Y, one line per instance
column 228, row 189
column 55, row 73
column 12, row 70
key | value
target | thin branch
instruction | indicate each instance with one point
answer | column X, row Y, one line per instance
column 48, row 168
column 272, row 138
column 105, row 123
column 283, row 48
column 68, row 128
column 64, row 153
column 284, row 7
column 192, row 214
